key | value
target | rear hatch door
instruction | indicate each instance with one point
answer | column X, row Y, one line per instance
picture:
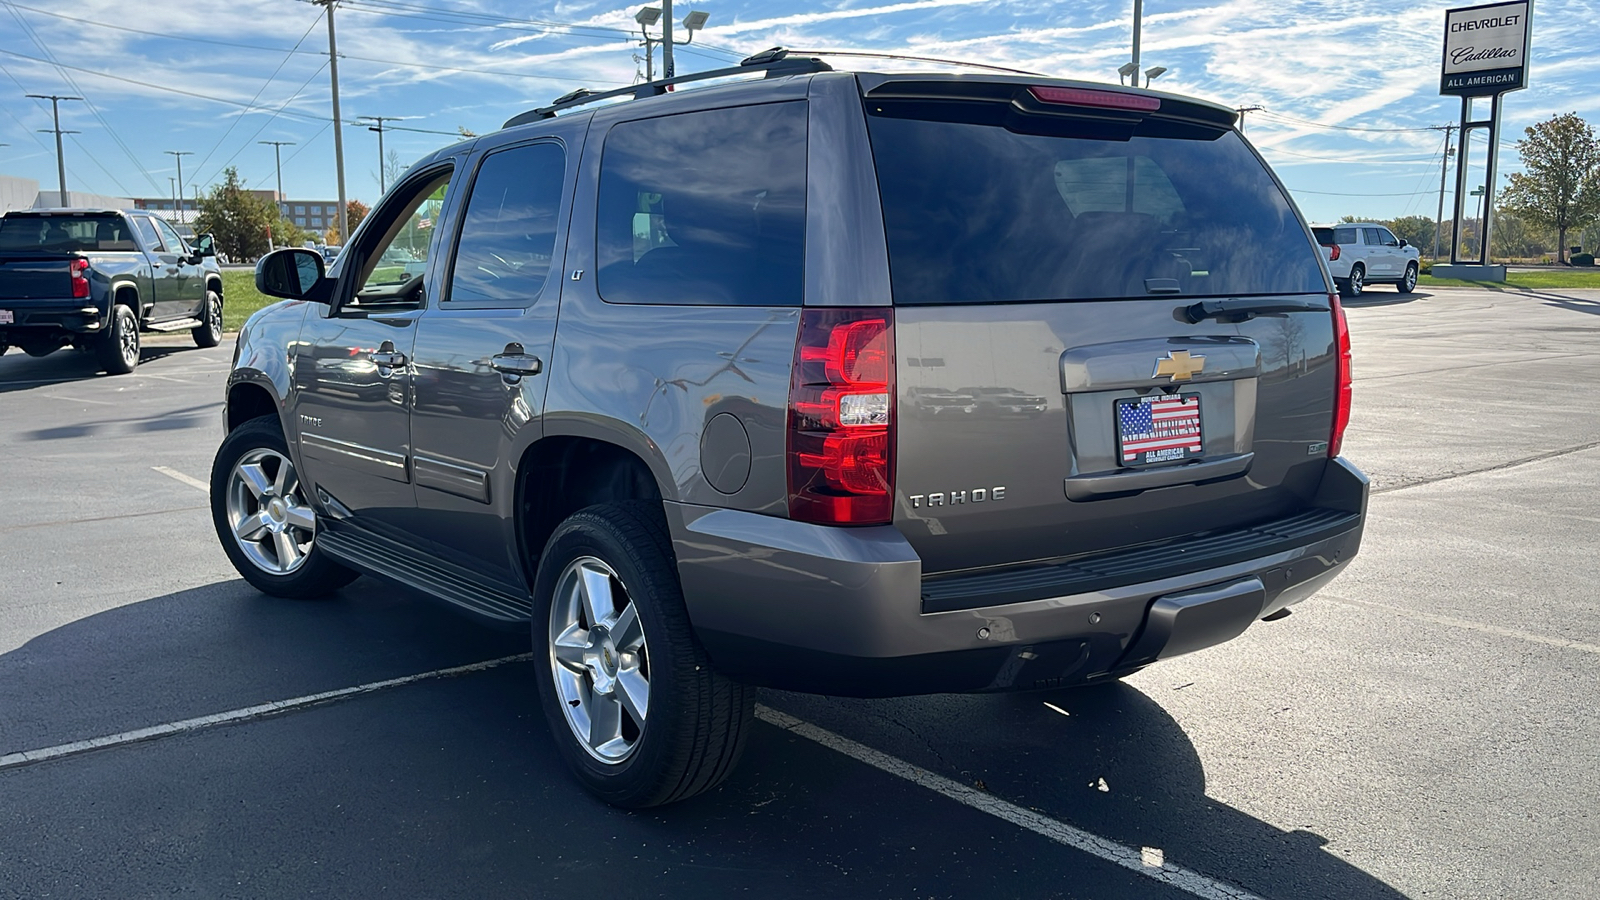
column 1112, row 327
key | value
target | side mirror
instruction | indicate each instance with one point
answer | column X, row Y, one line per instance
column 205, row 245
column 1402, row 242
column 293, row 273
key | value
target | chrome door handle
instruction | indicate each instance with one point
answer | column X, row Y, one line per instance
column 388, row 359
column 516, row 364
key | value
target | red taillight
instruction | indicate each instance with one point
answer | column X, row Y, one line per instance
column 1341, row 403
column 841, row 417
column 1101, row 99
column 1335, row 251
column 80, row 282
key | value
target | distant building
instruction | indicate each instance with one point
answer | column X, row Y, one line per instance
column 17, row 193
column 312, row 215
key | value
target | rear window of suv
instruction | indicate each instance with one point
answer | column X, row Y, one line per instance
column 65, row 234
column 977, row 213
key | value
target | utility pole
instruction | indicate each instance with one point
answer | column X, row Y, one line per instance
column 1138, row 15
column 383, row 186
column 277, row 159
column 338, row 121
column 172, row 185
column 667, row 68
column 55, row 112
column 180, row 154
column 1444, row 164
column 1246, row 109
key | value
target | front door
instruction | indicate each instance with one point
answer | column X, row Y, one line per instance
column 481, row 352
column 352, row 375
column 166, row 271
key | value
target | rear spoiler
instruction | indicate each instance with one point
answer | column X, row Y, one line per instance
column 1047, row 97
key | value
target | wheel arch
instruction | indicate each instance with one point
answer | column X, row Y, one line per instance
column 249, row 399
column 561, row 474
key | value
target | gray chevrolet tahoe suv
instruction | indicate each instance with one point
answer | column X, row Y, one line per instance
column 656, row 391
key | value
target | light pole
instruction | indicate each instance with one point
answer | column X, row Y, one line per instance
column 179, row 155
column 172, row 185
column 338, row 121
column 277, row 159
column 650, row 15
column 55, row 113
column 382, row 182
column 1138, row 16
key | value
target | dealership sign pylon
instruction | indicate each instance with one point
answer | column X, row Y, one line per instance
column 1485, row 55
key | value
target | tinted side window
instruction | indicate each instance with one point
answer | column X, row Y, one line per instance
column 1345, row 236
column 705, row 208
column 1371, row 236
column 1324, row 235
column 174, row 243
column 1386, row 238
column 509, row 232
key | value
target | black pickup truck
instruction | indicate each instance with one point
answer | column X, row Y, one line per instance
column 95, row 278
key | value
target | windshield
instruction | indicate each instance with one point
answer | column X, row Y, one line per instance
column 65, row 234
column 976, row 213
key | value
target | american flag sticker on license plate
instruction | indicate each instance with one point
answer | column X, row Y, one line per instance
column 1158, row 429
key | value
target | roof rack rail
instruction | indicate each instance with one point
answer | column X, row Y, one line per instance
column 776, row 62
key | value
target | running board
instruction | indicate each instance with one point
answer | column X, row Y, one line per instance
column 175, row 325
column 397, row 562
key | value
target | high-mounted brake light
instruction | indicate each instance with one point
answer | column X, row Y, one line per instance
column 1341, row 403
column 80, row 282
column 1101, row 99
column 841, row 417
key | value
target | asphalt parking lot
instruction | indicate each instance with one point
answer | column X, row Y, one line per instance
column 1423, row 728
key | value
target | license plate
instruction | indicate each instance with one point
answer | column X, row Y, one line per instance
column 6, row 318
column 1161, row 428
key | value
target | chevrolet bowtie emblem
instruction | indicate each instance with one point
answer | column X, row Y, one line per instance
column 1179, row 366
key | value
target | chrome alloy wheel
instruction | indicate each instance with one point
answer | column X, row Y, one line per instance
column 214, row 318
column 599, row 659
column 269, row 519
column 128, row 342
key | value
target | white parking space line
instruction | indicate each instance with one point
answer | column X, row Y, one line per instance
column 186, row 479
column 26, row 757
column 1453, row 622
column 1147, row 861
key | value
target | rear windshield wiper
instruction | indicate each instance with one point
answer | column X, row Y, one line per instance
column 1240, row 310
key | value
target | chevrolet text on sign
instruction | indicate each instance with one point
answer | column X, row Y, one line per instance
column 1485, row 49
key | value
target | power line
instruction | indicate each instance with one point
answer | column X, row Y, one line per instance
column 1298, row 121
column 111, row 132
column 321, row 53
column 1353, row 194
column 270, row 119
column 268, row 83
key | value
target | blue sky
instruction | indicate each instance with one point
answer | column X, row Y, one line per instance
column 1347, row 86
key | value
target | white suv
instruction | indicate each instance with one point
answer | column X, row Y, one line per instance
column 1363, row 253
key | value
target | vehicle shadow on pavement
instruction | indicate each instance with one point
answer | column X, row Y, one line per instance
column 165, row 420
column 1368, row 298
column 18, row 371
column 452, row 787
column 1105, row 759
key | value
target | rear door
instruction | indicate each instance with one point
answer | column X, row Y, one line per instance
column 1045, row 262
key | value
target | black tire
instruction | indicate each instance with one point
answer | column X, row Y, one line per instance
column 1408, row 281
column 119, row 346
column 302, row 572
column 209, row 332
column 695, row 721
column 1357, row 281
